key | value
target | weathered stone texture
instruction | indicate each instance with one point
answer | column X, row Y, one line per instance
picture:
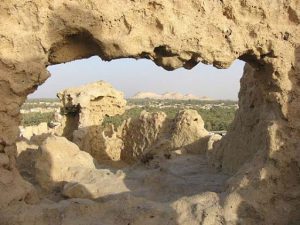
column 265, row 34
column 154, row 133
column 59, row 160
column 84, row 109
column 91, row 103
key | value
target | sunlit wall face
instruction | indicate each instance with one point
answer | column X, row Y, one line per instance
column 132, row 76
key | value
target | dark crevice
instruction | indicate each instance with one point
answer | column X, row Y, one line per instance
column 251, row 59
column 191, row 63
column 164, row 51
column 78, row 44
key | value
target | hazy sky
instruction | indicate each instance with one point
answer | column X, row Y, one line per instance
column 132, row 76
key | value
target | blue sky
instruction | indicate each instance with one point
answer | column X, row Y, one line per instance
column 131, row 76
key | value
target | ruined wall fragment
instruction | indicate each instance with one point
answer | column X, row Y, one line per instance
column 173, row 34
column 154, row 133
column 84, row 109
column 92, row 102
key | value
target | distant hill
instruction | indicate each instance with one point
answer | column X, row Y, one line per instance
column 168, row 95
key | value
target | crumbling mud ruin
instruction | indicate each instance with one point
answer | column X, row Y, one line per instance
column 164, row 175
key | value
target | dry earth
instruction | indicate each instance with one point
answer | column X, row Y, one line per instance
column 178, row 189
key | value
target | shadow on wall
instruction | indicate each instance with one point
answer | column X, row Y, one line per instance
column 267, row 188
column 291, row 173
column 72, row 115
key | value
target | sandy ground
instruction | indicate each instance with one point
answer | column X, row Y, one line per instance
column 180, row 190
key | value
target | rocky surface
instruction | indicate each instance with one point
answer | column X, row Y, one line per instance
column 86, row 106
column 30, row 131
column 92, row 102
column 142, row 134
column 103, row 143
column 59, row 160
column 154, row 133
column 171, row 193
column 93, row 184
column 187, row 130
column 84, row 109
column 261, row 151
column 154, row 191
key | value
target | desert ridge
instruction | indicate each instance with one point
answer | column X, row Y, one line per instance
column 169, row 96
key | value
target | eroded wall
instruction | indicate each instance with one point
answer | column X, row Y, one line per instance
column 265, row 34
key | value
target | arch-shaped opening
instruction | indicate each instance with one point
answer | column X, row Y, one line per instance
column 226, row 157
column 222, row 87
column 259, row 153
column 148, row 131
column 210, row 170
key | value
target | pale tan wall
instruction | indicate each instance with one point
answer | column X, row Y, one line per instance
column 35, row 34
